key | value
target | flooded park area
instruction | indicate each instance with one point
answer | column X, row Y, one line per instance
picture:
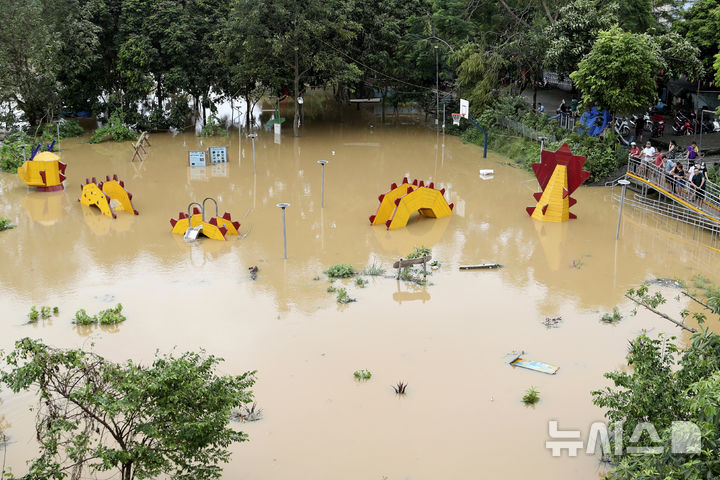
column 462, row 415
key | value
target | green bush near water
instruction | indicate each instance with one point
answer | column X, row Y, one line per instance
column 340, row 270
column 109, row 316
column 603, row 154
column 5, row 224
column 115, row 130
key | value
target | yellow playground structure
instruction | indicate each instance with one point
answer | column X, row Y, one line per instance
column 108, row 196
column 193, row 224
column 44, row 171
column 403, row 200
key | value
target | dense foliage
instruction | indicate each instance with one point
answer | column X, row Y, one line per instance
column 663, row 386
column 169, row 418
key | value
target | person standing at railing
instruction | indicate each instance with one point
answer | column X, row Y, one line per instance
column 669, row 166
column 647, row 156
column 659, row 164
column 634, row 156
column 678, row 174
column 697, row 182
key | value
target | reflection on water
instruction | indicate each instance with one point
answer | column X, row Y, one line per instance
column 447, row 339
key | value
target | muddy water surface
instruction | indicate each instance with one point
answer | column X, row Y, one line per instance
column 462, row 416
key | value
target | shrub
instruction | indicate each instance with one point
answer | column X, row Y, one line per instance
column 82, row 318
column 68, row 128
column 11, row 153
column 34, row 315
column 613, row 317
column 340, row 270
column 213, row 128
column 420, row 252
column 5, row 224
column 111, row 316
column 360, row 282
column 115, row 130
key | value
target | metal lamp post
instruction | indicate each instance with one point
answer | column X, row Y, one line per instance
column 322, row 182
column 252, row 137
column 624, row 184
column 284, row 206
column 437, row 90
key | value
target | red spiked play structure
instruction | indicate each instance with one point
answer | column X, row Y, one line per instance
column 559, row 174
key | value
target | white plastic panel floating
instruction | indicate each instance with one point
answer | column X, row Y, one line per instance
column 218, row 154
column 487, row 171
column 197, row 158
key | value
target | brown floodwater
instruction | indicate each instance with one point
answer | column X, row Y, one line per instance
column 462, row 416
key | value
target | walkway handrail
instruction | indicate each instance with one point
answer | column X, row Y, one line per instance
column 681, row 190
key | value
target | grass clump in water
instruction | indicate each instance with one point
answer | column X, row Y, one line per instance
column 340, row 270
column 420, row 251
column 360, row 282
column 343, row 297
column 531, row 397
column 5, row 224
column 45, row 312
column 613, row 317
column 109, row 316
column 362, row 374
column 374, row 270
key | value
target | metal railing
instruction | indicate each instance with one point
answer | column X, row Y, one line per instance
column 682, row 190
column 665, row 213
column 525, row 131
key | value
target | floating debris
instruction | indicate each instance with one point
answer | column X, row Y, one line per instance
column 246, row 414
column 480, row 266
column 400, row 388
column 533, row 365
column 552, row 322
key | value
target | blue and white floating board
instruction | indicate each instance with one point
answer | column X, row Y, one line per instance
column 532, row 365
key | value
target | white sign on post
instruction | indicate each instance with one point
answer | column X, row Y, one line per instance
column 464, row 108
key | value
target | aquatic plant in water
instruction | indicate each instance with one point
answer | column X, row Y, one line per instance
column 109, row 316
column 360, row 282
column 374, row 270
column 532, row 396
column 5, row 224
column 213, row 128
column 613, row 317
column 420, row 251
column 362, row 374
column 341, row 270
column 343, row 297
column 400, row 388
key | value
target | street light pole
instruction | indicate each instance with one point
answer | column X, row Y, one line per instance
column 437, row 90
column 322, row 183
column 284, row 206
column 252, row 137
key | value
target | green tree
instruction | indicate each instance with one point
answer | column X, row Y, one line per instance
column 575, row 31
column 28, row 59
column 699, row 26
column 662, row 386
column 619, row 72
column 307, row 40
column 168, row 418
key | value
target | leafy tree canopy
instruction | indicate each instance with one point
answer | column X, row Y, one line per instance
column 663, row 386
column 168, row 418
column 619, row 72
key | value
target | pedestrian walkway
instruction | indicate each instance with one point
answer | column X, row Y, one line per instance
column 705, row 202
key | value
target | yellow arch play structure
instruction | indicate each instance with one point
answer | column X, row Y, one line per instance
column 45, row 172
column 400, row 202
column 108, row 196
column 216, row 227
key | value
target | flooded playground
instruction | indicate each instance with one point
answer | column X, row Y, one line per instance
column 463, row 415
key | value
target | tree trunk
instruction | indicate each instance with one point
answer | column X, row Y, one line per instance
column 296, row 87
column 534, row 95
column 126, row 471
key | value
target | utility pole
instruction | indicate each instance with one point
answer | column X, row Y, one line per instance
column 437, row 90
